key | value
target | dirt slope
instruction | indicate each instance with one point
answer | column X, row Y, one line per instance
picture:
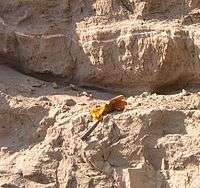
column 155, row 140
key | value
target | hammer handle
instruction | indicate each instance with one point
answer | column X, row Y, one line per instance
column 89, row 131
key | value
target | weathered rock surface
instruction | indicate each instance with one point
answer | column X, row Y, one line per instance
column 137, row 44
column 153, row 143
column 124, row 45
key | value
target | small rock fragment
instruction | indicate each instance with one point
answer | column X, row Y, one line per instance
column 154, row 96
column 70, row 102
column 4, row 149
column 55, row 85
column 73, row 87
column 43, row 98
column 19, row 100
column 64, row 109
column 31, row 89
column 84, row 93
column 145, row 94
column 185, row 93
column 18, row 171
column 138, row 104
column 90, row 95
column 37, row 85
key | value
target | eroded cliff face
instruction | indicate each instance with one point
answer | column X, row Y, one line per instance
column 135, row 44
column 104, row 47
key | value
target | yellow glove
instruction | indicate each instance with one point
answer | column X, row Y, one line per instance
column 98, row 111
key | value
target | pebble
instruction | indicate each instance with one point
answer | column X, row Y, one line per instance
column 185, row 93
column 55, row 85
column 145, row 94
column 138, row 104
column 73, row 87
column 37, row 85
column 18, row 171
column 31, row 89
column 91, row 96
column 19, row 100
column 154, row 96
column 43, row 98
column 4, row 149
column 69, row 102
column 84, row 93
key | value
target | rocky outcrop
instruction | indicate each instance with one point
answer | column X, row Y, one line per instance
column 151, row 58
column 124, row 45
column 153, row 142
column 103, row 43
column 92, row 45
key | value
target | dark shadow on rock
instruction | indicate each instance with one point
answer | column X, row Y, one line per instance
column 162, row 182
column 164, row 10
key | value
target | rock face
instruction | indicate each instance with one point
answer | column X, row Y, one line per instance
column 154, row 142
column 135, row 44
column 123, row 45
